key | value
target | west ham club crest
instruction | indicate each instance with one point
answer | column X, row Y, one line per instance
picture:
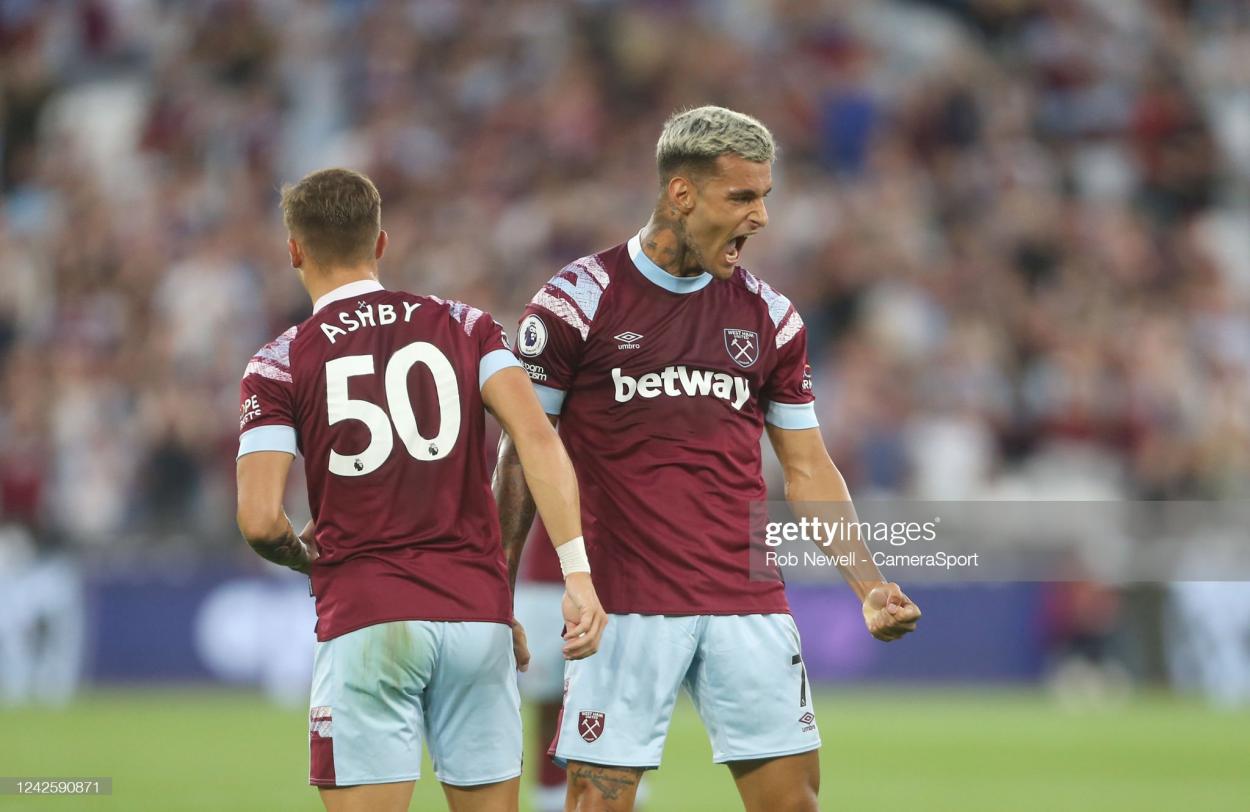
column 590, row 725
column 743, row 346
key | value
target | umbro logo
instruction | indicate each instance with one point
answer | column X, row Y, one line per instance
column 629, row 340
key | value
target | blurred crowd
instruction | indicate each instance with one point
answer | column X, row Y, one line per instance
column 1016, row 228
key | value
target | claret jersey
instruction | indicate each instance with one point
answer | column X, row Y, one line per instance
column 663, row 385
column 381, row 393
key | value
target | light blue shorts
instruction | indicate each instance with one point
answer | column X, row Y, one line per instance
column 378, row 692
column 537, row 607
column 743, row 672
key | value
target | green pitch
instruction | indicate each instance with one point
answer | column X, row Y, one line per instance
column 911, row 749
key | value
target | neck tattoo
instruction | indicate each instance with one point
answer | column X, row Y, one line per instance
column 666, row 243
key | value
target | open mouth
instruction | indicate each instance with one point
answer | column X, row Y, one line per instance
column 733, row 250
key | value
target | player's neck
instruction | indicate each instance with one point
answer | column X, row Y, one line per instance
column 664, row 243
column 318, row 281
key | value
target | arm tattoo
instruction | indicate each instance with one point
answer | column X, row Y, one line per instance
column 610, row 781
column 515, row 504
column 287, row 551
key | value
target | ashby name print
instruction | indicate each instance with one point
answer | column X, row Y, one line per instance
column 366, row 316
column 680, row 381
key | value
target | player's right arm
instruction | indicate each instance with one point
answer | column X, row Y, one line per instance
column 262, row 521
column 267, row 446
column 544, row 470
column 516, row 505
column 549, row 345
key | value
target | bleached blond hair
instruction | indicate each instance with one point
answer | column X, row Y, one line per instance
column 694, row 139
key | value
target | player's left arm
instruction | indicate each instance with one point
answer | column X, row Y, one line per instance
column 262, row 520
column 814, row 487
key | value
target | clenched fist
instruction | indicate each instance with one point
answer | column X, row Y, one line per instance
column 888, row 613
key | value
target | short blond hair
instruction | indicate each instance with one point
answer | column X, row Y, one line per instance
column 695, row 138
column 335, row 214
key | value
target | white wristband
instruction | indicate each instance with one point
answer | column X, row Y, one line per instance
column 573, row 558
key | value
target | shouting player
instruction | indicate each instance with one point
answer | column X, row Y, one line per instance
column 664, row 360
column 384, row 393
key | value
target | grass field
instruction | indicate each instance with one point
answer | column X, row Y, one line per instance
column 905, row 750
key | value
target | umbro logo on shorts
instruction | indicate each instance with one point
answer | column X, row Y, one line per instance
column 590, row 725
column 320, row 722
column 808, row 721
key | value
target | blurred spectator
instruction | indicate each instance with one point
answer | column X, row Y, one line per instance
column 1014, row 228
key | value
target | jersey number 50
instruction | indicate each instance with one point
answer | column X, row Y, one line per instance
column 381, row 440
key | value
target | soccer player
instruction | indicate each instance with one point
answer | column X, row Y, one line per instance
column 384, row 393
column 664, row 361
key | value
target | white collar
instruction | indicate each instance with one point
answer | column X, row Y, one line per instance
column 357, row 288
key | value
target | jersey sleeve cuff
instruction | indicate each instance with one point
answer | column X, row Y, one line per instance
column 492, row 362
column 552, row 400
column 792, row 415
column 267, row 438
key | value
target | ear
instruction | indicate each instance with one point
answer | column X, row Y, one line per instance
column 682, row 193
column 297, row 253
column 380, row 248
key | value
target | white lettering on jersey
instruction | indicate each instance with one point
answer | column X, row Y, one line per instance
column 249, row 411
column 365, row 316
column 681, row 381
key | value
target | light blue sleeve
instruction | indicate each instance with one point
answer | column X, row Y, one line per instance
column 268, row 438
column 791, row 415
column 492, row 362
column 552, row 400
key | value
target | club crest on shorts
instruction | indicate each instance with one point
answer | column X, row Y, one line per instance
column 743, row 346
column 590, row 725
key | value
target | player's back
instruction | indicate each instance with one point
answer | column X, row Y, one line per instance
column 383, row 391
